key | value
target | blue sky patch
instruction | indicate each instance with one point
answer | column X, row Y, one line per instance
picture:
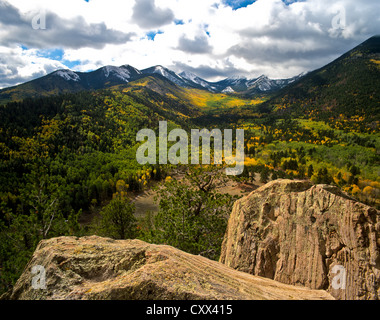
column 179, row 22
column 71, row 64
column 206, row 30
column 152, row 34
column 53, row 54
column 288, row 2
column 237, row 4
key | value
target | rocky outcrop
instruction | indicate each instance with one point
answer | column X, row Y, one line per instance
column 101, row 268
column 300, row 234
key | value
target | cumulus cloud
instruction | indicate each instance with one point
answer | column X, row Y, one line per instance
column 20, row 65
column 54, row 31
column 147, row 15
column 217, row 70
column 198, row 45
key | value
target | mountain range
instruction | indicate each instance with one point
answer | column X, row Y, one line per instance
column 68, row 81
column 348, row 86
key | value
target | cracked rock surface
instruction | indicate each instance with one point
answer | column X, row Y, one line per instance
column 298, row 234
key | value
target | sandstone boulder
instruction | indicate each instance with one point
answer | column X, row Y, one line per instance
column 300, row 234
column 101, row 268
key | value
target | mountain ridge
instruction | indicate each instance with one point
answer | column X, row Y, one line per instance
column 68, row 81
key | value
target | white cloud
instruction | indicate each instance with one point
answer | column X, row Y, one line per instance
column 267, row 36
column 147, row 15
column 18, row 65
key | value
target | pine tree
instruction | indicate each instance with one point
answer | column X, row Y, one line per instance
column 264, row 175
column 310, row 171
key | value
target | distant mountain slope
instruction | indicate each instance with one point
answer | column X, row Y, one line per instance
column 67, row 81
column 347, row 87
column 189, row 101
column 192, row 97
column 171, row 76
column 242, row 85
column 201, row 82
column 265, row 85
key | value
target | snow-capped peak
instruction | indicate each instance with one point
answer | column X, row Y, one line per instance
column 236, row 80
column 189, row 76
column 263, row 77
column 194, row 78
column 160, row 70
column 129, row 67
column 121, row 73
column 68, row 75
column 228, row 90
column 168, row 74
column 263, row 83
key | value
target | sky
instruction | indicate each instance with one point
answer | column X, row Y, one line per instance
column 214, row 39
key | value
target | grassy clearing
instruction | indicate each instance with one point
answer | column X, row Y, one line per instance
column 210, row 101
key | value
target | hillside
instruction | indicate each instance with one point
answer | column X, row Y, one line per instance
column 204, row 107
column 345, row 91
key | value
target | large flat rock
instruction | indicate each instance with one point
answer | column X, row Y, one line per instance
column 101, row 268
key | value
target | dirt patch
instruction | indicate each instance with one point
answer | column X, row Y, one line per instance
column 144, row 201
column 237, row 188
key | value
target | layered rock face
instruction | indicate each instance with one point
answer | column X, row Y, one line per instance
column 101, row 268
column 300, row 234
